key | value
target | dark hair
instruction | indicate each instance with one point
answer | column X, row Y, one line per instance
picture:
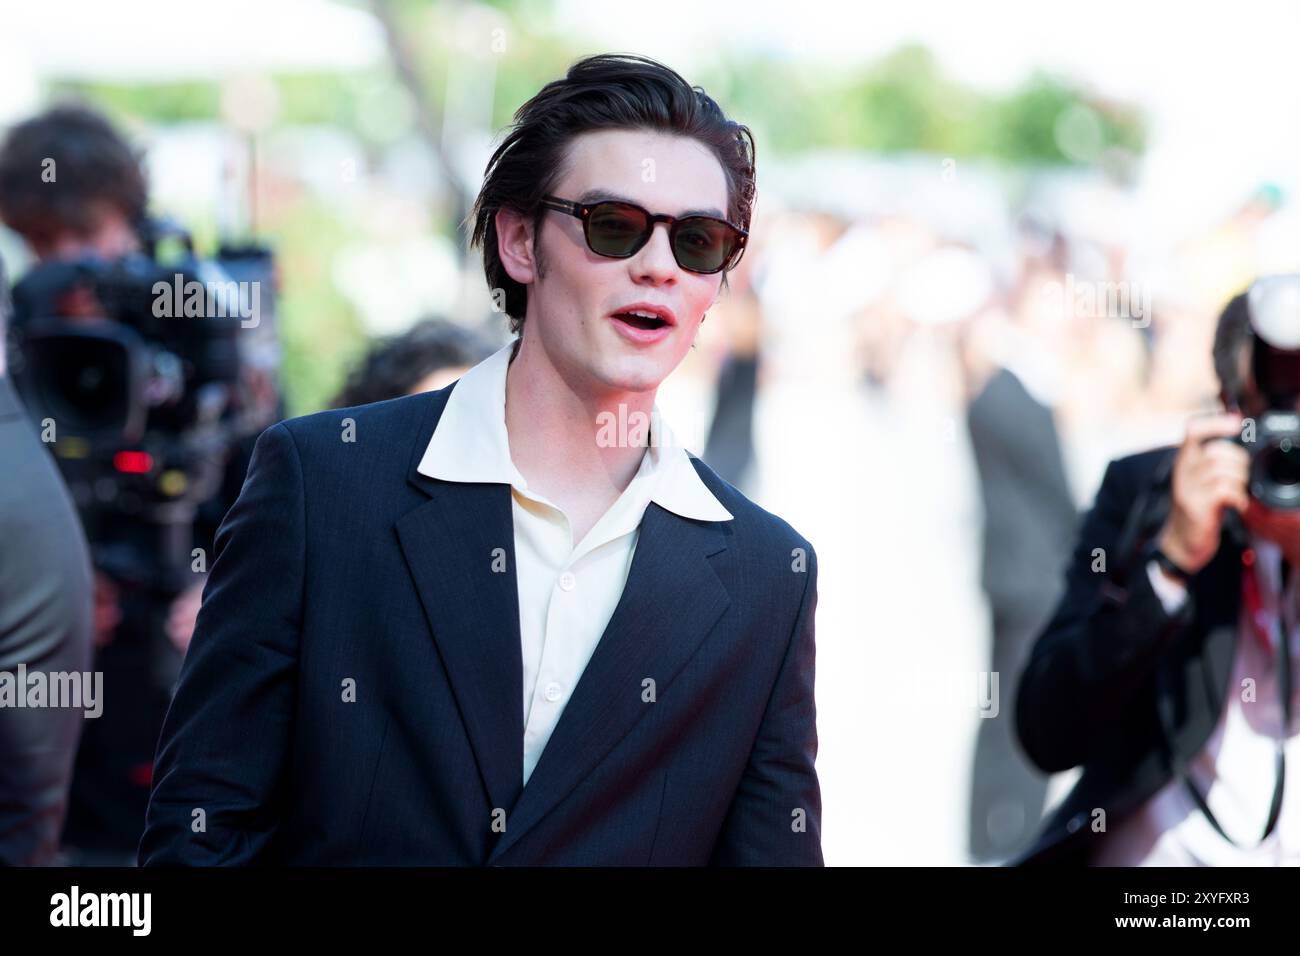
column 1231, row 336
column 609, row 91
column 394, row 365
column 92, row 166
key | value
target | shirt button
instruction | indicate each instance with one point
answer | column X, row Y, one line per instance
column 568, row 581
column 553, row 691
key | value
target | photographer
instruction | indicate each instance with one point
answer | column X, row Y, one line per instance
column 76, row 192
column 1166, row 671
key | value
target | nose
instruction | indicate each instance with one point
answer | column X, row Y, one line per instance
column 654, row 263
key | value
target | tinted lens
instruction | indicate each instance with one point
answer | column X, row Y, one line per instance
column 703, row 245
column 614, row 229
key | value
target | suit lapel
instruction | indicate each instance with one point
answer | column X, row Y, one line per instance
column 451, row 546
column 1199, row 671
column 1220, row 595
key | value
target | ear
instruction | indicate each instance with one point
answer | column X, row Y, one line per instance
column 515, row 245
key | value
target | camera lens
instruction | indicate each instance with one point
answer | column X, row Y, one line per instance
column 1282, row 463
column 84, row 382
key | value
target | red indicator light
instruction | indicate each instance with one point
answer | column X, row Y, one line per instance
column 133, row 462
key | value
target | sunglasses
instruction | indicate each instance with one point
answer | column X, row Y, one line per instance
column 617, row 230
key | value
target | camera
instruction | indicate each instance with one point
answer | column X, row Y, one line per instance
column 142, row 397
column 1275, row 460
column 1273, row 440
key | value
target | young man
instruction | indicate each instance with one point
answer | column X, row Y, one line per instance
column 505, row 622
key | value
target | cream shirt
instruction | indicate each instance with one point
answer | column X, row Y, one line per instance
column 567, row 591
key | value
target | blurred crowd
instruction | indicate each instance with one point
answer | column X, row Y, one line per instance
column 959, row 374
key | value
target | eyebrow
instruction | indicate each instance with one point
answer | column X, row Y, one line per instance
column 604, row 195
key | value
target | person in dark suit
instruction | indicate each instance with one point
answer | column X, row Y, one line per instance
column 1167, row 670
column 503, row 623
column 1029, row 520
column 45, row 626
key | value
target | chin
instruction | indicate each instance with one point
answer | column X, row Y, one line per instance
column 636, row 373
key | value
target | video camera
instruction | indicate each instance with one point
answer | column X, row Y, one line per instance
column 143, row 400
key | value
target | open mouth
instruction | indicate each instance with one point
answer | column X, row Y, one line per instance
column 640, row 321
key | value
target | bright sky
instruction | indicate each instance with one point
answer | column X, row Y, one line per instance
column 1218, row 82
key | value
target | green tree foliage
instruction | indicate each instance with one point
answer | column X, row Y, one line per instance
column 900, row 103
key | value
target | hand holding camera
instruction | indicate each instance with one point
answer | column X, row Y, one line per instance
column 1209, row 477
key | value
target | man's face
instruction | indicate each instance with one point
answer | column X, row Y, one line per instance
column 571, row 302
column 110, row 236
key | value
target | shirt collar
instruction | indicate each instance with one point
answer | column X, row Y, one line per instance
column 470, row 444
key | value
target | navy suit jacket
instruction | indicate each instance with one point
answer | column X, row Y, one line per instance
column 353, row 690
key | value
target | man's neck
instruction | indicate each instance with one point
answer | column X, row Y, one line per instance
column 559, row 431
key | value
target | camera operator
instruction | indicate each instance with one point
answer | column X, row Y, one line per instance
column 76, row 192
column 1167, row 670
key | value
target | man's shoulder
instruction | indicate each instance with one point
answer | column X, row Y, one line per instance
column 757, row 528
column 387, row 427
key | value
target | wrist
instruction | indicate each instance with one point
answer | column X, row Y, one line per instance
column 1173, row 560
